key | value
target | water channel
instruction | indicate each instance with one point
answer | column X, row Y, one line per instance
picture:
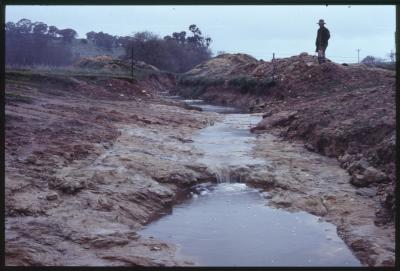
column 229, row 223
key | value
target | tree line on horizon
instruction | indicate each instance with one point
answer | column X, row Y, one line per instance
column 36, row 43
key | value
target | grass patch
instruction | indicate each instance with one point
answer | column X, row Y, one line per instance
column 70, row 71
column 200, row 81
column 245, row 84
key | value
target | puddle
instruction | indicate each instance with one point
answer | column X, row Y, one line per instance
column 230, row 224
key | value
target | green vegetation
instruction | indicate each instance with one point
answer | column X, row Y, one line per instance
column 69, row 71
column 178, row 52
column 200, row 81
column 195, row 86
column 244, row 83
column 32, row 43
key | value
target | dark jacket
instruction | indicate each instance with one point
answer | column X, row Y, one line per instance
column 323, row 36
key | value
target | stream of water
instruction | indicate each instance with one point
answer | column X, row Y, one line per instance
column 230, row 224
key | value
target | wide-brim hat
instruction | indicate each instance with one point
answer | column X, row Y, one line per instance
column 321, row 21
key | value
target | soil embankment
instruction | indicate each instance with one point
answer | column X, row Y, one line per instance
column 341, row 111
column 89, row 160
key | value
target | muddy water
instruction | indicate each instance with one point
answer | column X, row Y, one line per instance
column 212, row 108
column 230, row 224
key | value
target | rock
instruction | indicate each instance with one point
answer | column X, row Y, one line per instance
column 185, row 140
column 155, row 248
column 358, row 166
column 373, row 175
column 344, row 158
column 31, row 160
column 358, row 180
column 52, row 195
column 279, row 119
column 383, row 216
column 367, row 192
column 309, row 147
column 266, row 114
column 105, row 204
column 369, row 176
column 67, row 186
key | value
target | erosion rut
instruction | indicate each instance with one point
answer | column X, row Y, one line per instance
column 98, row 170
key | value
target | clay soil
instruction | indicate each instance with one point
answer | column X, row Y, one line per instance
column 89, row 161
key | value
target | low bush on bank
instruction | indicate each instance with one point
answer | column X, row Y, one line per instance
column 245, row 84
column 200, row 81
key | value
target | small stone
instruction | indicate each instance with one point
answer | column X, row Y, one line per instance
column 373, row 175
column 155, row 248
column 358, row 180
column 309, row 147
column 30, row 160
column 344, row 158
column 52, row 195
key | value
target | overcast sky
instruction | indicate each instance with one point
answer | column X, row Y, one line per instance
column 255, row 30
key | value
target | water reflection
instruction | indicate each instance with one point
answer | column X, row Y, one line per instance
column 229, row 224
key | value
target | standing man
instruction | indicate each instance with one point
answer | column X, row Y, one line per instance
column 321, row 43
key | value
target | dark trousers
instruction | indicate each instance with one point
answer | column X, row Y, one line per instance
column 321, row 54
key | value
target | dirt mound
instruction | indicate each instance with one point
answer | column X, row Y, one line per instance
column 293, row 76
column 109, row 63
column 224, row 65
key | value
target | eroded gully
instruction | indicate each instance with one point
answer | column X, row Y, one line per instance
column 231, row 222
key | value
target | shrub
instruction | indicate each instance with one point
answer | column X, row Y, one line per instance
column 266, row 82
column 244, row 83
column 200, row 81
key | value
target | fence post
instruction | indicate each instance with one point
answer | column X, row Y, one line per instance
column 273, row 66
column 132, row 61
